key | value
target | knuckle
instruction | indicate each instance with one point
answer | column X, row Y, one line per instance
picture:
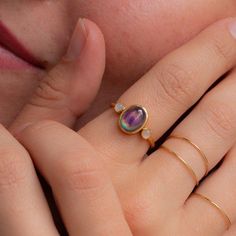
column 13, row 167
column 51, row 89
column 83, row 179
column 176, row 83
column 220, row 117
column 221, row 49
column 80, row 174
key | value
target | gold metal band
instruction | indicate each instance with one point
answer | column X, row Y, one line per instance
column 151, row 142
column 186, row 165
column 216, row 206
column 197, row 148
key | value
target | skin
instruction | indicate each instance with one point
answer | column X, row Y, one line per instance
column 137, row 218
column 104, row 186
column 144, row 32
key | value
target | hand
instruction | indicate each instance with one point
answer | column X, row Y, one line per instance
column 63, row 95
column 156, row 192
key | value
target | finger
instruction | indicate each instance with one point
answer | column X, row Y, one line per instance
column 220, row 188
column 74, row 170
column 23, row 208
column 70, row 87
column 172, row 86
column 212, row 127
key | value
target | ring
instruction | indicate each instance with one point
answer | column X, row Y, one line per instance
column 197, row 148
column 185, row 164
column 133, row 120
column 216, row 206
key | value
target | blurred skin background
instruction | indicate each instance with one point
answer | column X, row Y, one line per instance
column 137, row 33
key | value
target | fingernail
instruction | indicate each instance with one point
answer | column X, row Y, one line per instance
column 77, row 41
column 232, row 28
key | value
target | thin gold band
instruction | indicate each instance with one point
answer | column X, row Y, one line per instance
column 197, row 148
column 216, row 206
column 186, row 165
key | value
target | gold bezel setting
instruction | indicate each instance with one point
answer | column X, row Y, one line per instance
column 143, row 130
column 136, row 130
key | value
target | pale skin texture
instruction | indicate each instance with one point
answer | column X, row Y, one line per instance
column 136, row 34
column 101, row 183
column 142, row 186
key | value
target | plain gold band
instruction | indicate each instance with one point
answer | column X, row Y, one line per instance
column 186, row 165
column 197, row 148
column 216, row 206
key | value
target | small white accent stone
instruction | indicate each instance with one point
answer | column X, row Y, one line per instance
column 119, row 107
column 146, row 133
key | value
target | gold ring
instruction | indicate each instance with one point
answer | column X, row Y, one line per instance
column 186, row 165
column 216, row 206
column 197, row 148
column 133, row 120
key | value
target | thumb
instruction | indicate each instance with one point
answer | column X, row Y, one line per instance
column 70, row 87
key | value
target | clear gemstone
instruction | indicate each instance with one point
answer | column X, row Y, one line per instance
column 119, row 107
column 146, row 133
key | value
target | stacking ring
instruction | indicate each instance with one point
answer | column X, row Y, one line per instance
column 185, row 164
column 216, row 206
column 133, row 120
column 197, row 148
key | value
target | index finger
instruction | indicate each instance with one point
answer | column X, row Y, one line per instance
column 171, row 87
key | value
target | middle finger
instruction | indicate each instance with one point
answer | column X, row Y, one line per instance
column 211, row 126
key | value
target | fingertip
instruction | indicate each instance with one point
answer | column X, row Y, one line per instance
column 77, row 42
column 90, row 68
column 86, row 34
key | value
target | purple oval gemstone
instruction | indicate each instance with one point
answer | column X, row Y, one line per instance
column 133, row 119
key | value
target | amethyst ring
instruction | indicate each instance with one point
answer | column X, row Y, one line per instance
column 133, row 120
